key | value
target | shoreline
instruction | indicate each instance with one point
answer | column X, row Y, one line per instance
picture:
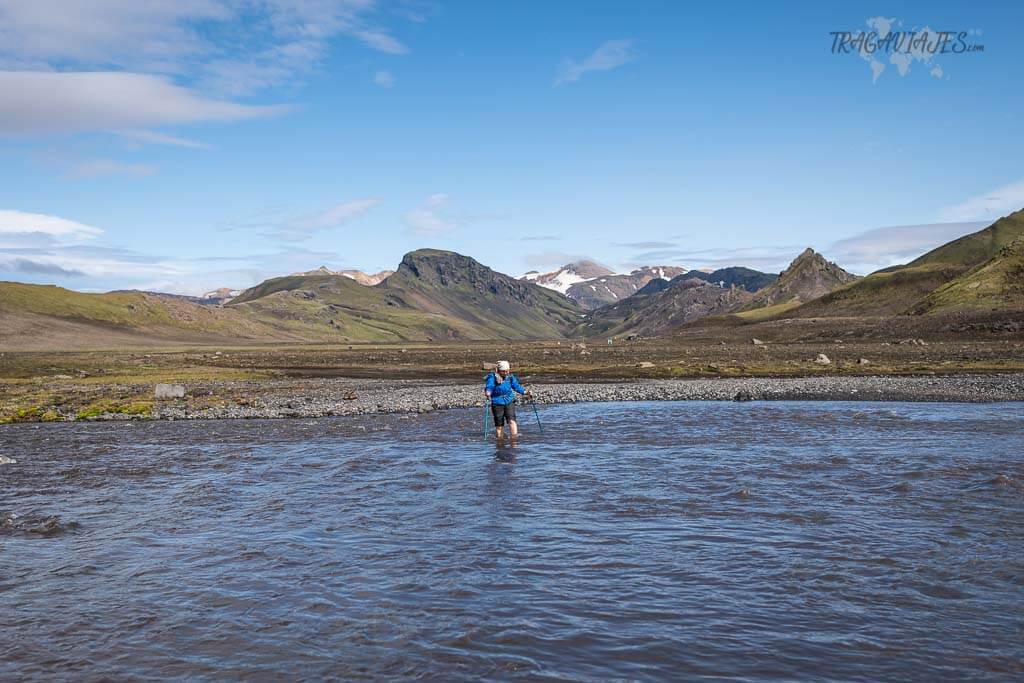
column 306, row 398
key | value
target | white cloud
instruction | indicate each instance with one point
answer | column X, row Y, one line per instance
column 551, row 259
column 49, row 102
column 882, row 247
column 988, row 206
column 154, row 138
column 155, row 34
column 381, row 41
column 384, row 79
column 611, row 54
column 103, row 167
column 283, row 224
column 429, row 219
column 170, row 36
column 18, row 228
column 333, row 217
column 88, row 65
column 769, row 259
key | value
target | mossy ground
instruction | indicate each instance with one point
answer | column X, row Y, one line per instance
column 84, row 385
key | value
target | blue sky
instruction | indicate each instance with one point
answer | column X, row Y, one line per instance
column 182, row 145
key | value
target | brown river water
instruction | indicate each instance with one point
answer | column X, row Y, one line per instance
column 628, row 541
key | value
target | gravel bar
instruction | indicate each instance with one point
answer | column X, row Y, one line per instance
column 338, row 396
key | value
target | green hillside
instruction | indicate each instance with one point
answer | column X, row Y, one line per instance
column 901, row 289
column 994, row 285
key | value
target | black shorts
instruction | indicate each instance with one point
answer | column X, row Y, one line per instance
column 503, row 414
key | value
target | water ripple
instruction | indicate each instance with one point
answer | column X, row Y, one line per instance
column 631, row 541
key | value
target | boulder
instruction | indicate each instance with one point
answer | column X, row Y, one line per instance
column 757, row 342
column 863, row 361
column 169, row 391
column 486, row 366
column 822, row 359
column 645, row 364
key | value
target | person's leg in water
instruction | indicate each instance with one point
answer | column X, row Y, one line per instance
column 510, row 419
column 499, row 420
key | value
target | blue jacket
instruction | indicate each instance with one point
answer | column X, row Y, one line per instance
column 501, row 392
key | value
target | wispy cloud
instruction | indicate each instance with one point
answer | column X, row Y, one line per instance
column 610, row 55
column 282, row 223
column 384, row 79
column 334, row 217
column 152, row 137
column 988, row 206
column 769, row 258
column 104, row 167
column 540, row 238
column 552, row 258
column 28, row 267
column 646, row 245
column 70, row 66
column 98, row 264
column 881, row 247
column 50, row 249
column 21, row 228
column 430, row 218
column 55, row 102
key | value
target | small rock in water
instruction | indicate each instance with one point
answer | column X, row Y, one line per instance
column 4, row 460
column 743, row 395
column 169, row 391
column 822, row 359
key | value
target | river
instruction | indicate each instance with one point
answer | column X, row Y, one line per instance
column 647, row 541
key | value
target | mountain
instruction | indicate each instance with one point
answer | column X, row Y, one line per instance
column 808, row 277
column 736, row 276
column 901, row 289
column 432, row 295
column 493, row 304
column 658, row 309
column 50, row 317
column 368, row 279
column 560, row 280
column 601, row 291
column 996, row 284
column 218, row 296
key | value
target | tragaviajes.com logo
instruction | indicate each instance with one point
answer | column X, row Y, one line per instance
column 903, row 48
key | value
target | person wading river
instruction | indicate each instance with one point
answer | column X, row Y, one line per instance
column 501, row 389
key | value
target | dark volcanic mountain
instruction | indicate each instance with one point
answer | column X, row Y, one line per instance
column 608, row 289
column 656, row 312
column 736, row 276
column 455, row 286
column 808, row 277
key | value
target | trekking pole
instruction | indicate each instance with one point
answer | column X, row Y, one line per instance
column 536, row 415
column 485, row 421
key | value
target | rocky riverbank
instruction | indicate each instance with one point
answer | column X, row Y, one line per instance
column 322, row 397
column 318, row 397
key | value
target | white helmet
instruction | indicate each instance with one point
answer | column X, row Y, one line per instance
column 503, row 366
